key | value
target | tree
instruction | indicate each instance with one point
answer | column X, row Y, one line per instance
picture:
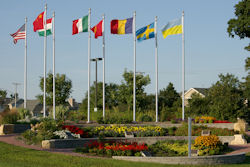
column 3, row 94
column 126, row 89
column 168, row 96
column 63, row 87
column 111, row 96
column 226, row 98
column 198, row 105
column 245, row 111
column 240, row 25
column 13, row 95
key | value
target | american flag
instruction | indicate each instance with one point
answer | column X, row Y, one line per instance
column 20, row 34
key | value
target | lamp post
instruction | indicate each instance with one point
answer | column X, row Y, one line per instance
column 96, row 60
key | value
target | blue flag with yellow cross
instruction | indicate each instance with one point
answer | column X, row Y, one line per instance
column 146, row 32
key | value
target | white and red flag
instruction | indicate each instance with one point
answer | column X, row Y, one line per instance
column 20, row 34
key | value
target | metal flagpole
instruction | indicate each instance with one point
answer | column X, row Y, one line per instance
column 103, row 66
column 89, row 52
column 25, row 66
column 134, row 92
column 156, row 72
column 45, row 54
column 183, row 69
column 54, row 91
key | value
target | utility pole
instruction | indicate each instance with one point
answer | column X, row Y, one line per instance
column 15, row 84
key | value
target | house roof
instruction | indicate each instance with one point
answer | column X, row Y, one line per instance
column 33, row 105
column 203, row 91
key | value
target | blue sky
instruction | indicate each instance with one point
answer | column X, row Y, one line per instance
column 209, row 50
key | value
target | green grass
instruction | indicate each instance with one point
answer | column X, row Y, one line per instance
column 13, row 156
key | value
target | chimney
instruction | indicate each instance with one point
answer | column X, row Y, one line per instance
column 71, row 102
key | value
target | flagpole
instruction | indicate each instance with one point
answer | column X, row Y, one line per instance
column 156, row 72
column 54, row 90
column 183, row 68
column 25, row 66
column 89, row 52
column 134, row 92
column 45, row 54
column 103, row 66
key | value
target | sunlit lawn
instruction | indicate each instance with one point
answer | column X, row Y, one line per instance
column 13, row 156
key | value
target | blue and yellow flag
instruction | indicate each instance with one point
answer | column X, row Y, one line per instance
column 146, row 32
column 173, row 27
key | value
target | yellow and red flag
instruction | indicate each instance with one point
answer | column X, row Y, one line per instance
column 38, row 23
column 98, row 29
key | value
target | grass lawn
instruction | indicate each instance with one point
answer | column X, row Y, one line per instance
column 13, row 156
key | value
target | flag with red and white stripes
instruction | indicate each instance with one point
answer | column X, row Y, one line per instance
column 20, row 34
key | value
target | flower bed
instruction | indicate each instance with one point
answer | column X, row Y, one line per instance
column 208, row 119
column 113, row 148
column 210, row 145
column 169, row 148
column 119, row 131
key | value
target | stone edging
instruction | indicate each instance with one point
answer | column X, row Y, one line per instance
column 200, row 160
column 74, row 143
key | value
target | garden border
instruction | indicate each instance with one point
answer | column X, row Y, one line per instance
column 199, row 160
column 74, row 143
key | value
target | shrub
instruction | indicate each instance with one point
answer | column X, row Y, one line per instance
column 9, row 117
column 146, row 118
column 42, row 131
column 209, row 145
column 24, row 113
column 173, row 121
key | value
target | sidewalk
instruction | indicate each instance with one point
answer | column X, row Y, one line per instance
column 12, row 139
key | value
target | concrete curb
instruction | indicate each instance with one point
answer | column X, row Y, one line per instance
column 200, row 160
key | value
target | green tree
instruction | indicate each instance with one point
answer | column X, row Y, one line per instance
column 168, row 96
column 245, row 111
column 240, row 25
column 225, row 98
column 111, row 96
column 126, row 89
column 246, row 84
column 198, row 105
column 3, row 94
column 63, row 87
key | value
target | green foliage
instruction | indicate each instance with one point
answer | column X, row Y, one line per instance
column 76, row 115
column 126, row 89
column 240, row 25
column 24, row 113
column 198, row 105
column 168, row 96
column 169, row 148
column 196, row 131
column 145, row 118
column 42, row 131
column 63, row 89
column 61, row 112
column 3, row 94
column 225, row 98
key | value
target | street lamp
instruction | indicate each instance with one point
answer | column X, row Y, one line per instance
column 96, row 60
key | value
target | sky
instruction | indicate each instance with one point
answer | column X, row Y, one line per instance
column 209, row 50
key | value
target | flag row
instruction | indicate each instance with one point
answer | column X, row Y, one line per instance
column 119, row 27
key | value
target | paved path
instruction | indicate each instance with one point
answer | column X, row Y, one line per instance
column 13, row 139
column 240, row 148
